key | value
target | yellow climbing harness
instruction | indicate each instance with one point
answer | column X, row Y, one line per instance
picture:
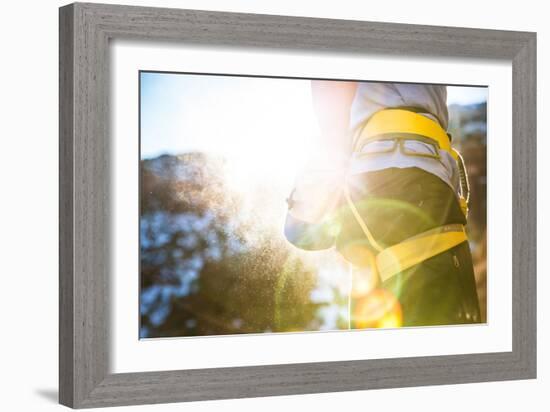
column 405, row 124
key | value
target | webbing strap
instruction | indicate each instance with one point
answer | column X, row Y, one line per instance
column 415, row 250
column 360, row 220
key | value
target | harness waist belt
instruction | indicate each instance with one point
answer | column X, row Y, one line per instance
column 392, row 122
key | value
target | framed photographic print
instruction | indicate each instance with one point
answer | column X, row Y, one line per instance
column 256, row 205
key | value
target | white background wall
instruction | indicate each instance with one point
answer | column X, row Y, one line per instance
column 28, row 202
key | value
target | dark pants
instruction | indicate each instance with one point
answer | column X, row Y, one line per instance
column 400, row 203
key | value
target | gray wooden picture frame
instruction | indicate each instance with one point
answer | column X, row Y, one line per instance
column 85, row 31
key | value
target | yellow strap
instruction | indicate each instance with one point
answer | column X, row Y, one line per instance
column 360, row 220
column 417, row 249
column 389, row 121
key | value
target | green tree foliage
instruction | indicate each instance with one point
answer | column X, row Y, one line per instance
column 199, row 273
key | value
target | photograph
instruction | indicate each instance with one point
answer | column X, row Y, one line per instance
column 277, row 205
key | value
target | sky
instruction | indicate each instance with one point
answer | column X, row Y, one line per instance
column 466, row 95
column 182, row 112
